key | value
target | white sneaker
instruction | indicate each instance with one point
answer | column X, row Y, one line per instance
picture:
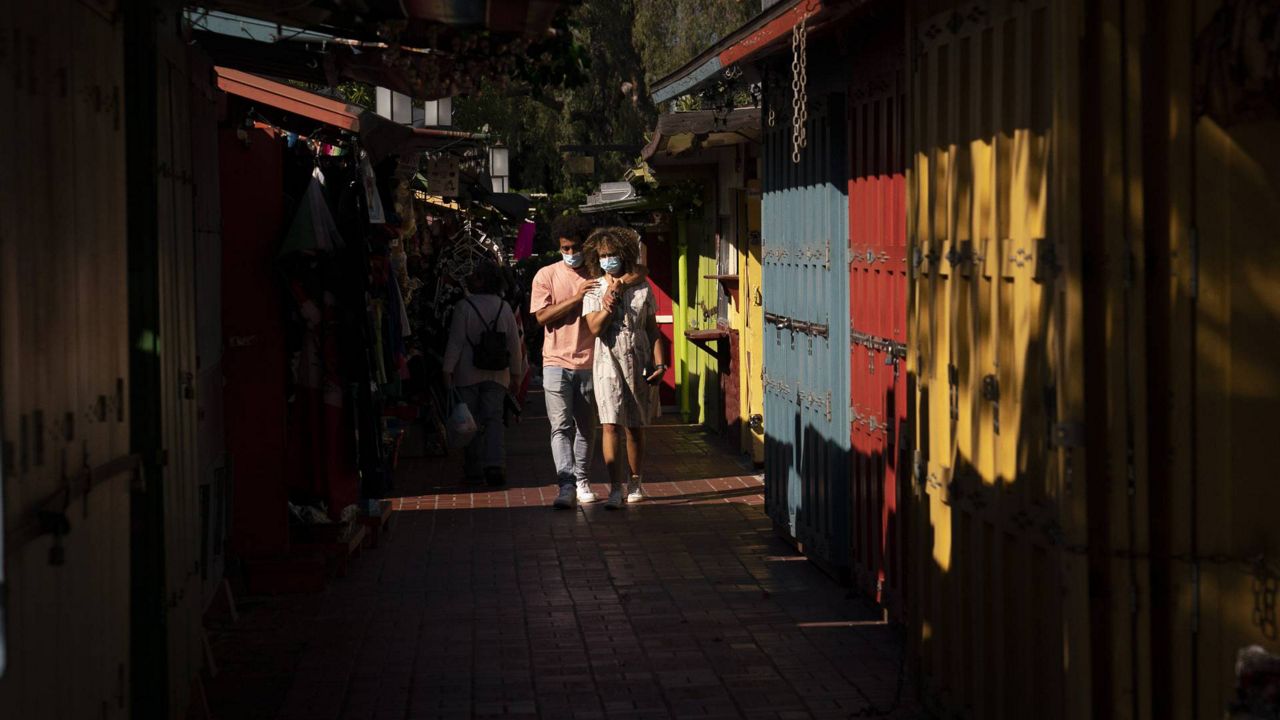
column 635, row 490
column 585, row 494
column 567, row 499
column 617, row 499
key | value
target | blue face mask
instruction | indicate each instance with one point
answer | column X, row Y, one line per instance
column 611, row 264
column 573, row 260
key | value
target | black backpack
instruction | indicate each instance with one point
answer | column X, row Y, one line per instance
column 491, row 352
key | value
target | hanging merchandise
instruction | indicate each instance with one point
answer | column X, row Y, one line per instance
column 313, row 228
column 524, row 240
column 442, row 176
column 376, row 214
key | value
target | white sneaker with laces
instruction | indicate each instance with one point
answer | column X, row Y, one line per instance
column 617, row 499
column 635, row 490
column 585, row 494
column 567, row 499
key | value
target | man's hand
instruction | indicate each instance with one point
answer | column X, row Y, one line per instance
column 585, row 287
column 656, row 375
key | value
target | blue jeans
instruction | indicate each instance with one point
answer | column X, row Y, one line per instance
column 488, row 448
column 571, row 411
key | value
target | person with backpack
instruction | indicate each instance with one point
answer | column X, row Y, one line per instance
column 483, row 361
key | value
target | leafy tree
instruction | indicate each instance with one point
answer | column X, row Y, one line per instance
column 600, row 92
column 670, row 33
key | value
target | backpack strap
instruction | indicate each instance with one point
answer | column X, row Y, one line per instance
column 492, row 325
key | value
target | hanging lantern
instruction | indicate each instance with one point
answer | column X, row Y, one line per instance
column 499, row 168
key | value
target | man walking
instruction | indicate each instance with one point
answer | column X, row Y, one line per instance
column 567, row 356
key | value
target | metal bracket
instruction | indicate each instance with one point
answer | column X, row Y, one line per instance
column 990, row 388
column 953, row 390
column 1068, row 435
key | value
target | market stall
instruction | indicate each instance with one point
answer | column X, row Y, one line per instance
column 348, row 240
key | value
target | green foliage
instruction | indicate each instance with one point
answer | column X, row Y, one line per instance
column 670, row 33
column 603, row 101
column 590, row 85
column 358, row 93
column 351, row 92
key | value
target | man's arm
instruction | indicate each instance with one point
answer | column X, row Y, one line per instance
column 547, row 312
column 559, row 311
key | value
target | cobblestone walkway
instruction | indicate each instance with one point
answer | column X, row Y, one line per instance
column 491, row 604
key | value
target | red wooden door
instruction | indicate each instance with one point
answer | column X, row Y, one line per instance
column 877, row 317
column 657, row 257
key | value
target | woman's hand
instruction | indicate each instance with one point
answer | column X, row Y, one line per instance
column 612, row 293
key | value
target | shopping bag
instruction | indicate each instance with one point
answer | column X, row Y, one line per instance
column 461, row 426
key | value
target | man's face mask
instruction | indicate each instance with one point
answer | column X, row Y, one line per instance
column 573, row 260
column 611, row 264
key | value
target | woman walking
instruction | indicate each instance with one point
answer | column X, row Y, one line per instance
column 484, row 360
column 628, row 357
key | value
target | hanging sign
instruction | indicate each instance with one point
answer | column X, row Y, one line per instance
column 374, row 200
column 442, row 176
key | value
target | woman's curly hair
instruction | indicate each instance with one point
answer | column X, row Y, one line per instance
column 621, row 241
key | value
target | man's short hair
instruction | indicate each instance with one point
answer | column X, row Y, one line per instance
column 573, row 227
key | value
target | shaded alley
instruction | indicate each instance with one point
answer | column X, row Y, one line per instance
column 489, row 603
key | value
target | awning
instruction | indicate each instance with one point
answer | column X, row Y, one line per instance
column 418, row 19
column 290, row 99
column 380, row 136
column 409, row 46
column 768, row 31
column 677, row 133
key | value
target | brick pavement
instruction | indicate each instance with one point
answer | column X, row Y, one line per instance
column 487, row 603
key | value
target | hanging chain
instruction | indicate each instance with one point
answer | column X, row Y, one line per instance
column 799, row 88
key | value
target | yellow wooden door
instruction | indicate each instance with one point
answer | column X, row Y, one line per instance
column 751, row 325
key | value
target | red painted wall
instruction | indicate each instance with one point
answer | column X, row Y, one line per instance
column 253, row 336
column 659, row 254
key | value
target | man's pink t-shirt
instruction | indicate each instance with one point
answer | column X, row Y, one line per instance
column 568, row 342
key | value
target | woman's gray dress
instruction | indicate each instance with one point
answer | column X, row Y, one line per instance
column 623, row 351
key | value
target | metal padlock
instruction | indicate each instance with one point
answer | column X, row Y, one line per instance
column 55, row 523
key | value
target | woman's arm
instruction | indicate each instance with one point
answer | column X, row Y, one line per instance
column 638, row 275
column 659, row 345
column 598, row 321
